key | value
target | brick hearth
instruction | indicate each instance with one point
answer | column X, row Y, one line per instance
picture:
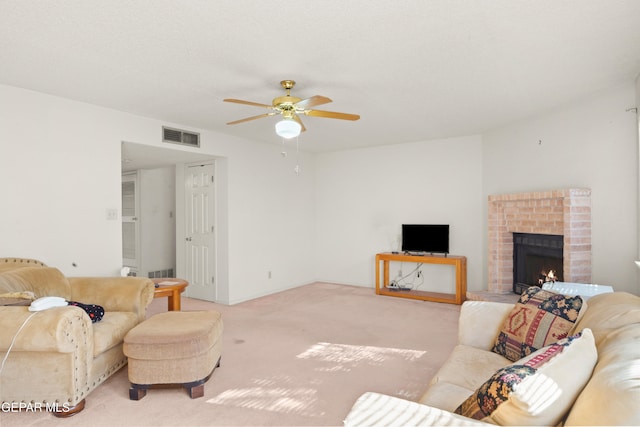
column 561, row 212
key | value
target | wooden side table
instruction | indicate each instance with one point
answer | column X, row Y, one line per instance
column 459, row 262
column 170, row 287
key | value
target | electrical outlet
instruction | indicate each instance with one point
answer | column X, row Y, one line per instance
column 112, row 214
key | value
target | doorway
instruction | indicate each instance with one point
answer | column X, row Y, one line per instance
column 139, row 157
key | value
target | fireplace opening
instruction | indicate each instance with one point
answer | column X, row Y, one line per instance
column 537, row 258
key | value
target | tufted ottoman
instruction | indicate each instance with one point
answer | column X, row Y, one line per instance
column 176, row 347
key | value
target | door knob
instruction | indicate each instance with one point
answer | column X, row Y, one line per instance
column 188, row 239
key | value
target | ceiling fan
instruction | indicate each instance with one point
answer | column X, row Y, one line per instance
column 291, row 108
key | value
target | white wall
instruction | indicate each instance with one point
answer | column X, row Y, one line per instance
column 60, row 163
column 637, row 111
column 591, row 143
column 271, row 221
column 365, row 195
column 157, row 222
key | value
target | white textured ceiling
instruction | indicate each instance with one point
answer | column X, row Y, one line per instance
column 413, row 69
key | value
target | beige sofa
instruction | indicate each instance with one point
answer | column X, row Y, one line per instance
column 609, row 364
column 58, row 356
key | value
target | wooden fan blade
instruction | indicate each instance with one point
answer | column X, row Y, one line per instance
column 297, row 119
column 240, row 101
column 248, row 119
column 312, row 102
column 331, row 115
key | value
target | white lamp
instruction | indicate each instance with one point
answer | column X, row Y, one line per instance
column 288, row 128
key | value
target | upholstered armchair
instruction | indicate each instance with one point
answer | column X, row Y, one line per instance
column 56, row 357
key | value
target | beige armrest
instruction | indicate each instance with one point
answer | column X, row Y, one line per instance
column 58, row 329
column 132, row 294
column 374, row 409
column 480, row 322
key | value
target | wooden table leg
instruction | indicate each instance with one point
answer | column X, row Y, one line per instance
column 385, row 281
column 174, row 301
column 377, row 275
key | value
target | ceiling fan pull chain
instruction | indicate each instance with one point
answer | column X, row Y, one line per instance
column 297, row 168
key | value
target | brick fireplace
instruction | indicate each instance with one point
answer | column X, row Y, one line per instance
column 564, row 212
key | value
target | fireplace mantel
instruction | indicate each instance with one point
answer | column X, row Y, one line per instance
column 565, row 212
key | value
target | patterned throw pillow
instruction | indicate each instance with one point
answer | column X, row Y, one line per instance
column 538, row 319
column 536, row 390
column 17, row 298
column 94, row 311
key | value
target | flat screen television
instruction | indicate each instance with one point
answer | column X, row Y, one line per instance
column 430, row 238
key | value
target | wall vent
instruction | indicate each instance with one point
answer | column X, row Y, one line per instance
column 178, row 136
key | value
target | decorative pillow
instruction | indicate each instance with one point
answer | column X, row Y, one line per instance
column 94, row 311
column 538, row 389
column 539, row 318
column 24, row 295
column 17, row 298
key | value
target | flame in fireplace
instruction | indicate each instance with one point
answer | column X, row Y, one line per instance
column 549, row 277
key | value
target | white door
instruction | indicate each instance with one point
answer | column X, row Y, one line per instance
column 130, row 232
column 200, row 232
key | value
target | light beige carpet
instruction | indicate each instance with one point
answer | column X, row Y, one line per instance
column 299, row 357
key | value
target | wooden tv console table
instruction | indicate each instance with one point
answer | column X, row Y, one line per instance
column 460, row 263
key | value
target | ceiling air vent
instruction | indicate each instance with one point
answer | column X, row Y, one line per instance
column 178, row 136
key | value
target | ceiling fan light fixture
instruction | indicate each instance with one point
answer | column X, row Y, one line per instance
column 288, row 128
